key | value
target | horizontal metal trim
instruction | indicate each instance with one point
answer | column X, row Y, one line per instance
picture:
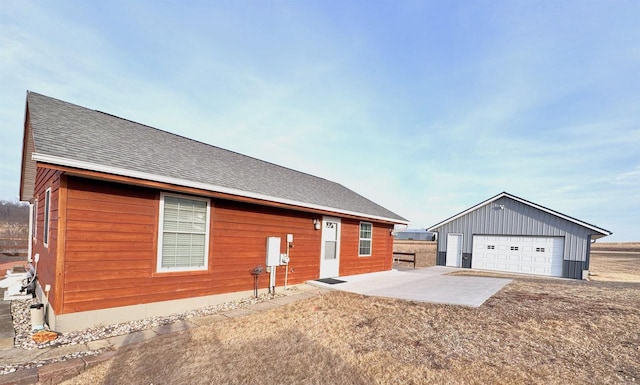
column 203, row 186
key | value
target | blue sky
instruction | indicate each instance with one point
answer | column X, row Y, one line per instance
column 427, row 108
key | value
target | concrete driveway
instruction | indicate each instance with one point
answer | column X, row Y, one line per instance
column 429, row 284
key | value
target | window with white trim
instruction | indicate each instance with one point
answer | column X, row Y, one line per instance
column 47, row 207
column 365, row 239
column 183, row 239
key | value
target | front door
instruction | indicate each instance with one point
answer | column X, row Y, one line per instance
column 454, row 250
column 330, row 249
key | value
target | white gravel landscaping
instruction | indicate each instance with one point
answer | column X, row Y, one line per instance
column 22, row 324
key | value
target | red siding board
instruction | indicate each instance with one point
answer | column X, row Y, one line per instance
column 45, row 179
column 111, row 247
column 381, row 254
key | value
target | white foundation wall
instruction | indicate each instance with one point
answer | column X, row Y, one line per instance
column 64, row 323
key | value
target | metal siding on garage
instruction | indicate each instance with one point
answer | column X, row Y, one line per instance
column 528, row 255
column 519, row 219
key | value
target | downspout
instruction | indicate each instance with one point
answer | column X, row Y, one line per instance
column 30, row 240
column 586, row 273
column 286, row 266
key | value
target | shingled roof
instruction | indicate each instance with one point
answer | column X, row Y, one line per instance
column 65, row 134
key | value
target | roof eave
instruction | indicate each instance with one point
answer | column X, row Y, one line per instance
column 465, row 212
column 26, row 186
column 599, row 230
column 56, row 160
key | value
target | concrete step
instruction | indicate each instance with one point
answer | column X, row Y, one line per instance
column 5, row 307
column 6, row 324
column 6, row 342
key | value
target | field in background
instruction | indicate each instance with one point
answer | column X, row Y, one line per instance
column 425, row 251
column 616, row 246
column 13, row 250
column 13, row 244
column 617, row 262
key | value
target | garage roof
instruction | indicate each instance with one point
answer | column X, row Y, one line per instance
column 65, row 134
column 598, row 230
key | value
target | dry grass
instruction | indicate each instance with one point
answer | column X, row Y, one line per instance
column 535, row 331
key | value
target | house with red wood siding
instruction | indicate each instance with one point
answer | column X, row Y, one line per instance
column 130, row 221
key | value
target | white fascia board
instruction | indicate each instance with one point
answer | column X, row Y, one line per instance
column 504, row 194
column 565, row 217
column 187, row 183
column 453, row 218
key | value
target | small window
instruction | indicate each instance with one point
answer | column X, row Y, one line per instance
column 514, row 248
column 491, row 247
column 34, row 219
column 365, row 239
column 47, row 206
column 183, row 243
column 540, row 249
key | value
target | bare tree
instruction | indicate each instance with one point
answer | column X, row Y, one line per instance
column 14, row 212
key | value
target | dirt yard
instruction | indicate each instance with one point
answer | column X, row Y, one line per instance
column 534, row 331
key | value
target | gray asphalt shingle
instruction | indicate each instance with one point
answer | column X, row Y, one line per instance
column 76, row 133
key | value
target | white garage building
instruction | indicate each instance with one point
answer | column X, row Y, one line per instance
column 510, row 234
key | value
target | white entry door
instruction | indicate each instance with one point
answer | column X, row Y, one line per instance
column 454, row 250
column 330, row 249
column 529, row 255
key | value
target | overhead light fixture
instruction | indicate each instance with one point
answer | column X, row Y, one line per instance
column 316, row 224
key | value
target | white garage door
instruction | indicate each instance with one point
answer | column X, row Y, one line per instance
column 529, row 255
